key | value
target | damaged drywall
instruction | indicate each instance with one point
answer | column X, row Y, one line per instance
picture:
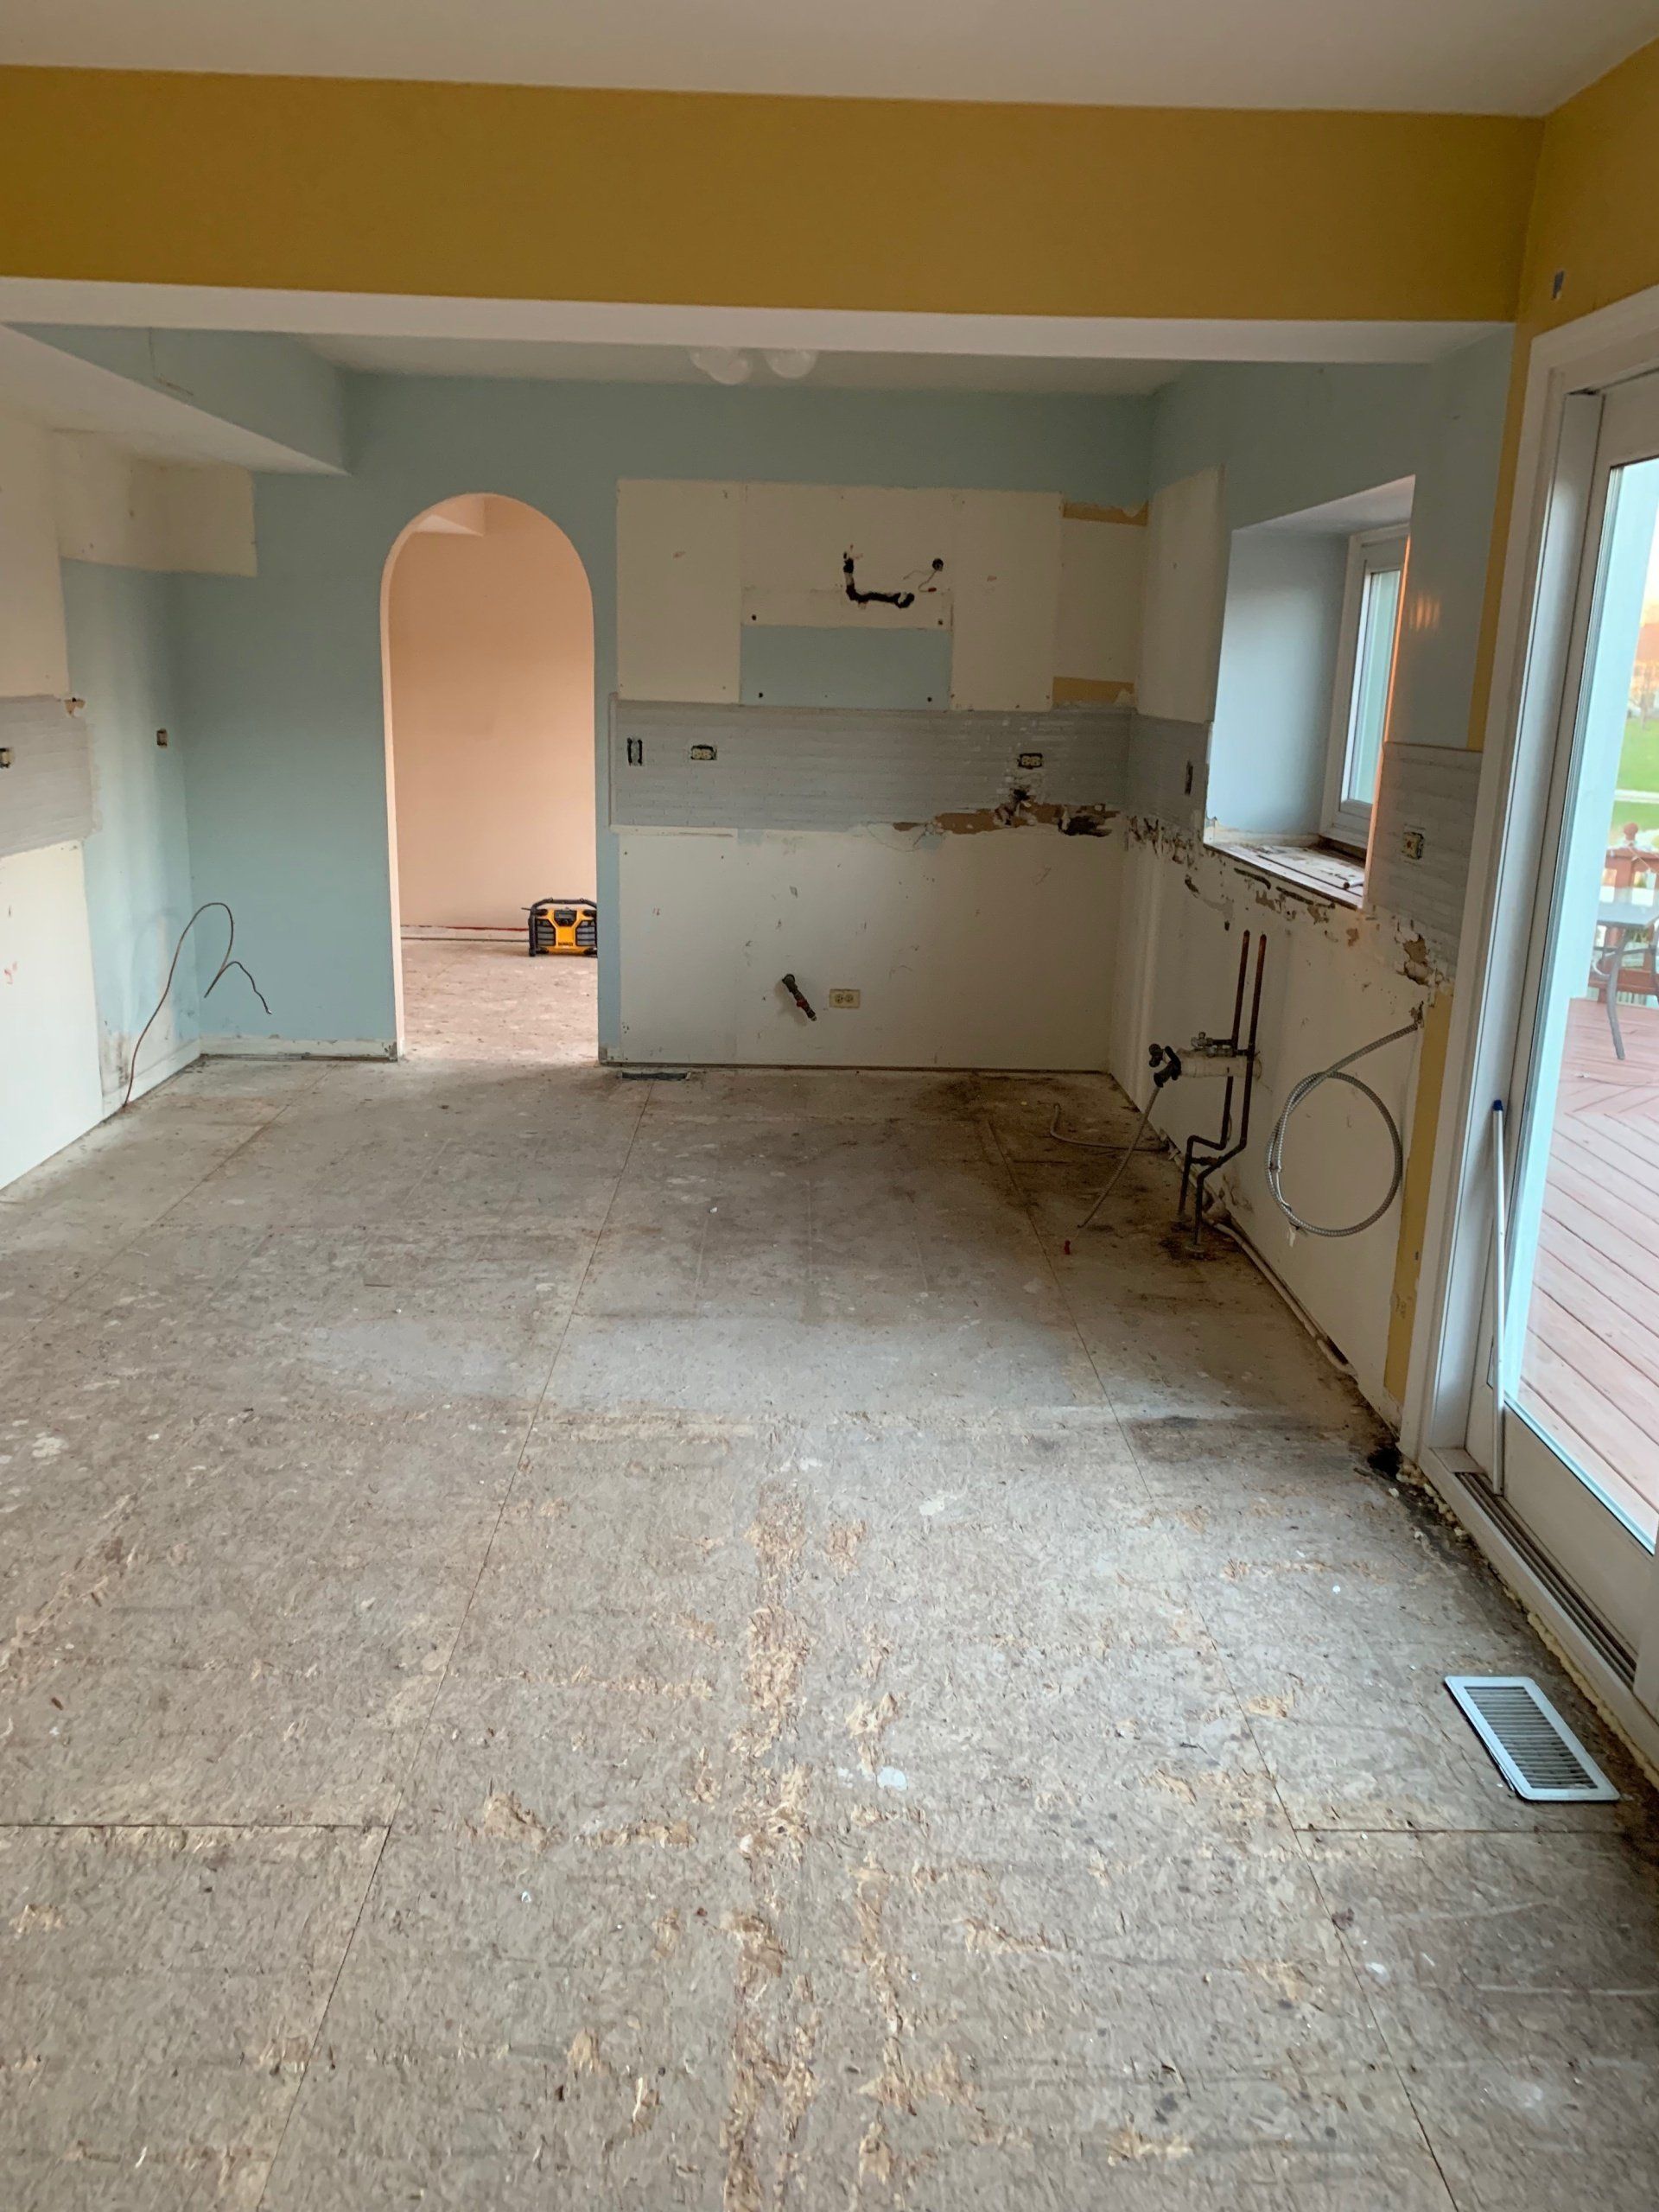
column 1335, row 978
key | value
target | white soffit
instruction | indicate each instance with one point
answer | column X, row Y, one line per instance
column 995, row 344
column 65, row 393
column 558, row 360
column 1517, row 57
column 1381, row 507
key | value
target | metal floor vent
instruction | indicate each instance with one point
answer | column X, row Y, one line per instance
column 1537, row 1753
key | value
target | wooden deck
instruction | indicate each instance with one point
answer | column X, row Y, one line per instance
column 1590, row 1365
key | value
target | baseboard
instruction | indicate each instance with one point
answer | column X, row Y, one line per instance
column 184, row 1054
column 460, row 933
column 298, row 1048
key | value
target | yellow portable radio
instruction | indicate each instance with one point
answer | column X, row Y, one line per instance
column 563, row 925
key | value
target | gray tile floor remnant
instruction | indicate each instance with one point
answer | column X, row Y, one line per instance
column 577, row 1643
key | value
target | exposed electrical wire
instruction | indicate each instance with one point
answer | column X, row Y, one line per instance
column 899, row 598
column 1337, row 1072
column 223, row 969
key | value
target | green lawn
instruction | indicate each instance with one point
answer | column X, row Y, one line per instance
column 1638, row 771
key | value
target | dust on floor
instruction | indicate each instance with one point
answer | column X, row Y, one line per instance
column 486, row 999
column 571, row 1641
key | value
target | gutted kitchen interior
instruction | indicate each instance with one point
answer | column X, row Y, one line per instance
column 829, row 1112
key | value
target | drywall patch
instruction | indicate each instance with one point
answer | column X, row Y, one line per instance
column 679, row 593
column 1185, row 586
column 1007, row 566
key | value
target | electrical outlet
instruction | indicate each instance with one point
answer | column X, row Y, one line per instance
column 845, row 999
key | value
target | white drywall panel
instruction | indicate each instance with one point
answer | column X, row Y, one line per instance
column 49, row 1086
column 796, row 539
column 679, row 913
column 920, row 927
column 1101, row 567
column 123, row 511
column 34, row 655
column 207, row 518
column 679, row 592
column 45, row 775
column 1006, row 591
column 1181, row 608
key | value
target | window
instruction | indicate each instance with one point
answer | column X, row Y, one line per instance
column 1370, row 618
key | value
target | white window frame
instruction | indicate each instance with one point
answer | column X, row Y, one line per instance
column 1370, row 553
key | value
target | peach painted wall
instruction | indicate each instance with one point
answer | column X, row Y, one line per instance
column 491, row 655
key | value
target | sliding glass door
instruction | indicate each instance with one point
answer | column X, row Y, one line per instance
column 1566, row 1408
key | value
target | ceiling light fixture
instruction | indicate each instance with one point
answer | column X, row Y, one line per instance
column 723, row 363
column 790, row 362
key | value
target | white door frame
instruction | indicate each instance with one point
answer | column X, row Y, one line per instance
column 1543, row 543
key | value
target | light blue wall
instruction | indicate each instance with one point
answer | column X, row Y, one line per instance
column 1291, row 437
column 137, row 864
column 282, row 671
column 1278, row 671
column 790, row 667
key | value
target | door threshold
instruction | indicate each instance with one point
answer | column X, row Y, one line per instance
column 1601, row 1665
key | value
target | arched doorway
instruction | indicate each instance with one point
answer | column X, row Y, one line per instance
column 487, row 641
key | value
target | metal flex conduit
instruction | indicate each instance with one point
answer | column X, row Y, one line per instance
column 1337, row 1072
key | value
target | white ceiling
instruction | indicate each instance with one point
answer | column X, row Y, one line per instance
column 625, row 364
column 1518, row 57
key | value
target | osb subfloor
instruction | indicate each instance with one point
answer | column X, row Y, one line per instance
column 486, row 999
column 580, row 1642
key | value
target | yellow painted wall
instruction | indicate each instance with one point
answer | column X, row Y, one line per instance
column 1595, row 212
column 538, row 193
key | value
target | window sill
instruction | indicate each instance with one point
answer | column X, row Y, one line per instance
column 1300, row 864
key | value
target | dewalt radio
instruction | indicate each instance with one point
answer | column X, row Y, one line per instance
column 563, row 925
